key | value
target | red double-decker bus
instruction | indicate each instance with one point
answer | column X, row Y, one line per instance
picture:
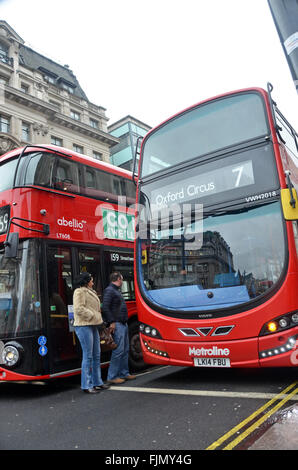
column 217, row 237
column 61, row 213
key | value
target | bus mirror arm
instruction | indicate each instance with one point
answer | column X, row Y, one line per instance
column 272, row 103
column 45, row 227
column 135, row 160
column 290, row 187
column 12, row 239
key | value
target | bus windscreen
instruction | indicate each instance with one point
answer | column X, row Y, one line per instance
column 205, row 129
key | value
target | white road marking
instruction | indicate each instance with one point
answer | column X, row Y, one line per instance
column 201, row 393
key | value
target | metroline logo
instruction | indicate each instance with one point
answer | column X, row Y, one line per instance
column 215, row 351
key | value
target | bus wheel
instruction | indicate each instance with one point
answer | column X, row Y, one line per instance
column 135, row 352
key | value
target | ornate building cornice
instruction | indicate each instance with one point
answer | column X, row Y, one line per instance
column 50, row 111
column 8, row 143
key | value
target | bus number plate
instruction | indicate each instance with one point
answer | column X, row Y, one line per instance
column 212, row 362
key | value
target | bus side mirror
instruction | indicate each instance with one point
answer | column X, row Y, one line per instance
column 289, row 203
column 11, row 245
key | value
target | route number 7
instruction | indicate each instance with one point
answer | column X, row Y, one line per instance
column 238, row 170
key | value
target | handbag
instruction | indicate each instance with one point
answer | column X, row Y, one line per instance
column 107, row 342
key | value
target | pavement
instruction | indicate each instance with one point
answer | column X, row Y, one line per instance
column 282, row 434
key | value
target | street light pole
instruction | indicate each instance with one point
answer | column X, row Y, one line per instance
column 285, row 17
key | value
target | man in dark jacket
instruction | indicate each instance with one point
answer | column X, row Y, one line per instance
column 115, row 313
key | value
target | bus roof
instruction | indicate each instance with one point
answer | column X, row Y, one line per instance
column 74, row 155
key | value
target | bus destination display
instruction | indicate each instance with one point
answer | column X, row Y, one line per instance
column 204, row 184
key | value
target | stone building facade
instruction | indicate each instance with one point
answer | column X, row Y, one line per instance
column 42, row 102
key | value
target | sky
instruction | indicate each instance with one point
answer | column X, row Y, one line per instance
column 153, row 58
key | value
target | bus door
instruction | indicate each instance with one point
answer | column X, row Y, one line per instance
column 117, row 259
column 90, row 261
column 65, row 353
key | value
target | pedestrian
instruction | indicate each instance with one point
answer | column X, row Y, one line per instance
column 87, row 317
column 115, row 314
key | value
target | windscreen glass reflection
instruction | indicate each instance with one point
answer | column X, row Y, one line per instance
column 234, row 257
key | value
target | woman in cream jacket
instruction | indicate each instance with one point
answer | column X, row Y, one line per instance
column 87, row 317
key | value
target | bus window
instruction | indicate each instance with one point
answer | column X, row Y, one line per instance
column 90, row 178
column 122, row 262
column 101, row 185
column 39, row 169
column 205, row 129
column 20, row 302
column 90, row 262
column 130, row 191
column 66, row 176
column 7, row 170
column 46, row 169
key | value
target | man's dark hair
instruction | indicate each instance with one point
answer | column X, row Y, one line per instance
column 82, row 280
column 115, row 276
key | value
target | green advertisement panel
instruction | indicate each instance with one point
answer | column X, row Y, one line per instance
column 118, row 225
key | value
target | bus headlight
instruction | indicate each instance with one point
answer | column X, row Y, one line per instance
column 11, row 354
column 149, row 330
column 284, row 322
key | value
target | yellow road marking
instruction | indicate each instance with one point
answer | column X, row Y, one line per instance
column 253, row 415
column 248, row 431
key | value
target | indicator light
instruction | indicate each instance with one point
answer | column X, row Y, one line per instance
column 281, row 323
column 272, row 326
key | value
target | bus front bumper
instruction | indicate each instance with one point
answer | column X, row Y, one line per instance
column 276, row 350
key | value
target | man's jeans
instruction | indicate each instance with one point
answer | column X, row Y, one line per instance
column 90, row 344
column 119, row 360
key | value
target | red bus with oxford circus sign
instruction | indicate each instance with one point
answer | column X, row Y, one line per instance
column 61, row 213
column 217, row 237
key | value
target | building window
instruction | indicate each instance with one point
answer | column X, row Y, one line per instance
column 4, row 124
column 3, row 80
column 94, row 123
column 66, row 87
column 24, row 88
column 75, row 115
column 56, row 141
column 97, row 155
column 25, row 132
column 49, row 79
column 4, row 54
column 78, row 148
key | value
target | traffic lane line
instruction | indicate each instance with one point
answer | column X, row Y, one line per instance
column 283, row 396
column 202, row 393
column 258, row 423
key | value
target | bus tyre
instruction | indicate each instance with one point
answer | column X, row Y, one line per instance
column 135, row 351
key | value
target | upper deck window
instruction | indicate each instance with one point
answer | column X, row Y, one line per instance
column 107, row 186
column 53, row 171
column 7, row 170
column 205, row 129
